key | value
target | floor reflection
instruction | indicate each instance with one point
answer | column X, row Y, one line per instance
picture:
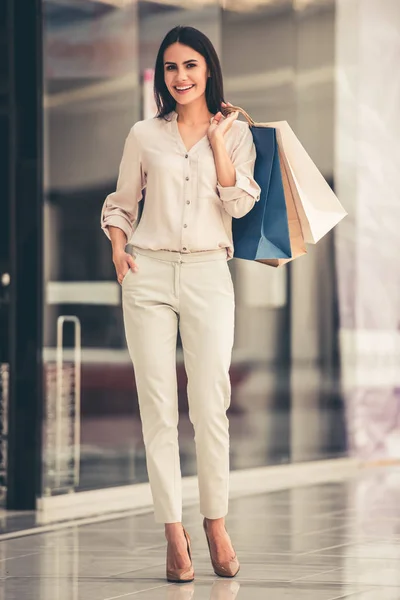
column 318, row 542
column 219, row 590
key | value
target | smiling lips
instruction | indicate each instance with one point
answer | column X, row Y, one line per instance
column 183, row 89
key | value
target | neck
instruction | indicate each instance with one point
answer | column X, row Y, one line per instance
column 195, row 113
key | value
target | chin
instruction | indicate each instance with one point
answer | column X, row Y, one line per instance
column 185, row 101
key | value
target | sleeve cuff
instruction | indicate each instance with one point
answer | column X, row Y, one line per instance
column 243, row 185
column 117, row 221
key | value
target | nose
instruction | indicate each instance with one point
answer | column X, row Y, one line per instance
column 182, row 75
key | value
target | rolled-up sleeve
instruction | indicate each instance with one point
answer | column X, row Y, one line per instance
column 120, row 209
column 239, row 199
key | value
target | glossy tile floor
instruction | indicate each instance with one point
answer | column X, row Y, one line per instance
column 324, row 542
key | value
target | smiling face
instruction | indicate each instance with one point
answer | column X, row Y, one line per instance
column 185, row 73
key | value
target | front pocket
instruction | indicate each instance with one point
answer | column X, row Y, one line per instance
column 226, row 275
column 126, row 275
column 135, row 258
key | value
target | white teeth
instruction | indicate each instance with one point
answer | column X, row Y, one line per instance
column 182, row 89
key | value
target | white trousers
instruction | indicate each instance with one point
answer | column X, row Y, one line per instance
column 195, row 293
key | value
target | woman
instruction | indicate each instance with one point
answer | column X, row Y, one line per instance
column 197, row 168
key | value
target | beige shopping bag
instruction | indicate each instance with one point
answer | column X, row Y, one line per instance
column 318, row 208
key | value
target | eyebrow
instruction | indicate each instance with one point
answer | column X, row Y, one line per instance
column 168, row 62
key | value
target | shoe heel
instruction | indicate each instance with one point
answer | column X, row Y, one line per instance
column 225, row 569
column 182, row 575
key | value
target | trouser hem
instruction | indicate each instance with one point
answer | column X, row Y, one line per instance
column 214, row 514
column 167, row 518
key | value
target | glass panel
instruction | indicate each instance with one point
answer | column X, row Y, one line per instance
column 92, row 98
column 278, row 60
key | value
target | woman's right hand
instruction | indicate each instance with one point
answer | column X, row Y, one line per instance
column 123, row 262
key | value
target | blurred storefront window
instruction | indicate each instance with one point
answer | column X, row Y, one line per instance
column 277, row 58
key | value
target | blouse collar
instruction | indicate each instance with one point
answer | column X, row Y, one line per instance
column 174, row 129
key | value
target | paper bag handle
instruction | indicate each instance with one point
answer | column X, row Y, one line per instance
column 227, row 110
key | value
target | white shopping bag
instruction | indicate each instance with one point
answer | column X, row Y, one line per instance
column 318, row 207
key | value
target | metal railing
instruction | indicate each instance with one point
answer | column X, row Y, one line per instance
column 63, row 413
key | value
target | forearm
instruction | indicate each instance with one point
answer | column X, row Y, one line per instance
column 226, row 172
column 118, row 239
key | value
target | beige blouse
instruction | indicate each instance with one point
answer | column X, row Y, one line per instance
column 185, row 209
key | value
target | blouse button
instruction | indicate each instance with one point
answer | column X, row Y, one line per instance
column 187, row 201
column 187, row 178
column 185, row 225
column 186, row 155
column 184, row 248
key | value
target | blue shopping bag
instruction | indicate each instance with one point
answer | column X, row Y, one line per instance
column 264, row 232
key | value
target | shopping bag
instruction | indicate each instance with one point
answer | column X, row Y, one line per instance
column 297, row 244
column 318, row 207
column 264, row 232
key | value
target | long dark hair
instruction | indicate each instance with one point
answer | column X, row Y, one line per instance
column 189, row 36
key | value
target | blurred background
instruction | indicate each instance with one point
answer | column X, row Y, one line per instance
column 315, row 370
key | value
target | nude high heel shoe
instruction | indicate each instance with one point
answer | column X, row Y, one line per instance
column 226, row 569
column 182, row 575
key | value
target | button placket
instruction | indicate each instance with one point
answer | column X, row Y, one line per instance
column 187, row 202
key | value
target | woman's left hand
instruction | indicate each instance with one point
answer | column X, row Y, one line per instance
column 220, row 125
